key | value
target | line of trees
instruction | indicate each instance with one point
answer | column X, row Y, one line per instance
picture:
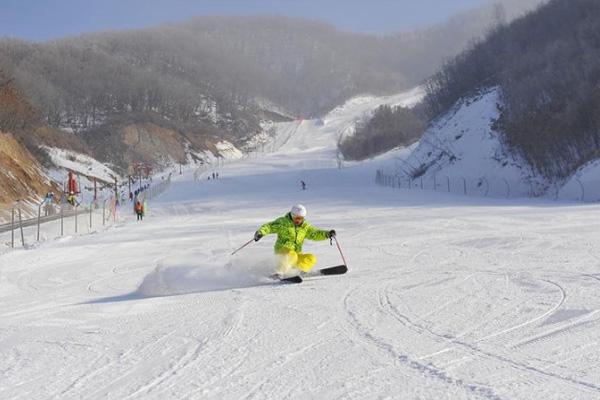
column 16, row 114
column 388, row 128
column 18, row 117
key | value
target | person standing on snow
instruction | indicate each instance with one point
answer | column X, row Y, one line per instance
column 139, row 210
column 291, row 230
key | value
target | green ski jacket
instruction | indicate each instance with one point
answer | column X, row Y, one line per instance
column 291, row 236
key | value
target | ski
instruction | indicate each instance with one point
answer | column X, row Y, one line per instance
column 289, row 279
column 337, row 270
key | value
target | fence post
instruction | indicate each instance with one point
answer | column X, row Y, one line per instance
column 421, row 182
column 38, row 219
column 448, row 179
column 21, row 227
column 531, row 189
column 12, row 228
column 91, row 216
column 464, row 185
column 507, row 188
column 582, row 189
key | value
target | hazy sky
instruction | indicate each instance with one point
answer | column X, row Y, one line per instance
column 49, row 19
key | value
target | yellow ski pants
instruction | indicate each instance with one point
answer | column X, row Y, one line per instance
column 289, row 259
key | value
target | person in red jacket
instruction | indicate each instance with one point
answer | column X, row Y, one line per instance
column 139, row 210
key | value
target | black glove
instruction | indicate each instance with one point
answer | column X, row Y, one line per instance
column 257, row 236
column 331, row 234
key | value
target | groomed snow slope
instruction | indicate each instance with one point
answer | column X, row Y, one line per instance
column 447, row 297
column 319, row 137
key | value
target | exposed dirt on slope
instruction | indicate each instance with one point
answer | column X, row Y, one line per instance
column 21, row 176
column 123, row 143
column 149, row 141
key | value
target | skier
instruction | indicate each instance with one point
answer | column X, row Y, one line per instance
column 303, row 184
column 71, row 199
column 139, row 210
column 291, row 230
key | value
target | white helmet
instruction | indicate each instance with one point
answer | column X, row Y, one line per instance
column 298, row 211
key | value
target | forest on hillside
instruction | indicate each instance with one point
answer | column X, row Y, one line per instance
column 386, row 129
column 224, row 70
column 547, row 65
column 20, row 119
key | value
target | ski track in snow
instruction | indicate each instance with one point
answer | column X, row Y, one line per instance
column 446, row 296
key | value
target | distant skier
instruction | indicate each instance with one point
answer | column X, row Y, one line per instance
column 291, row 230
column 71, row 199
column 139, row 210
column 303, row 184
column 48, row 209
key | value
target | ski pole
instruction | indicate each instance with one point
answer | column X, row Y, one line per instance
column 250, row 241
column 340, row 250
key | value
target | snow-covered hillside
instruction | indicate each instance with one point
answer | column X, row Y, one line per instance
column 461, row 150
column 462, row 153
column 447, row 297
column 81, row 164
column 87, row 169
